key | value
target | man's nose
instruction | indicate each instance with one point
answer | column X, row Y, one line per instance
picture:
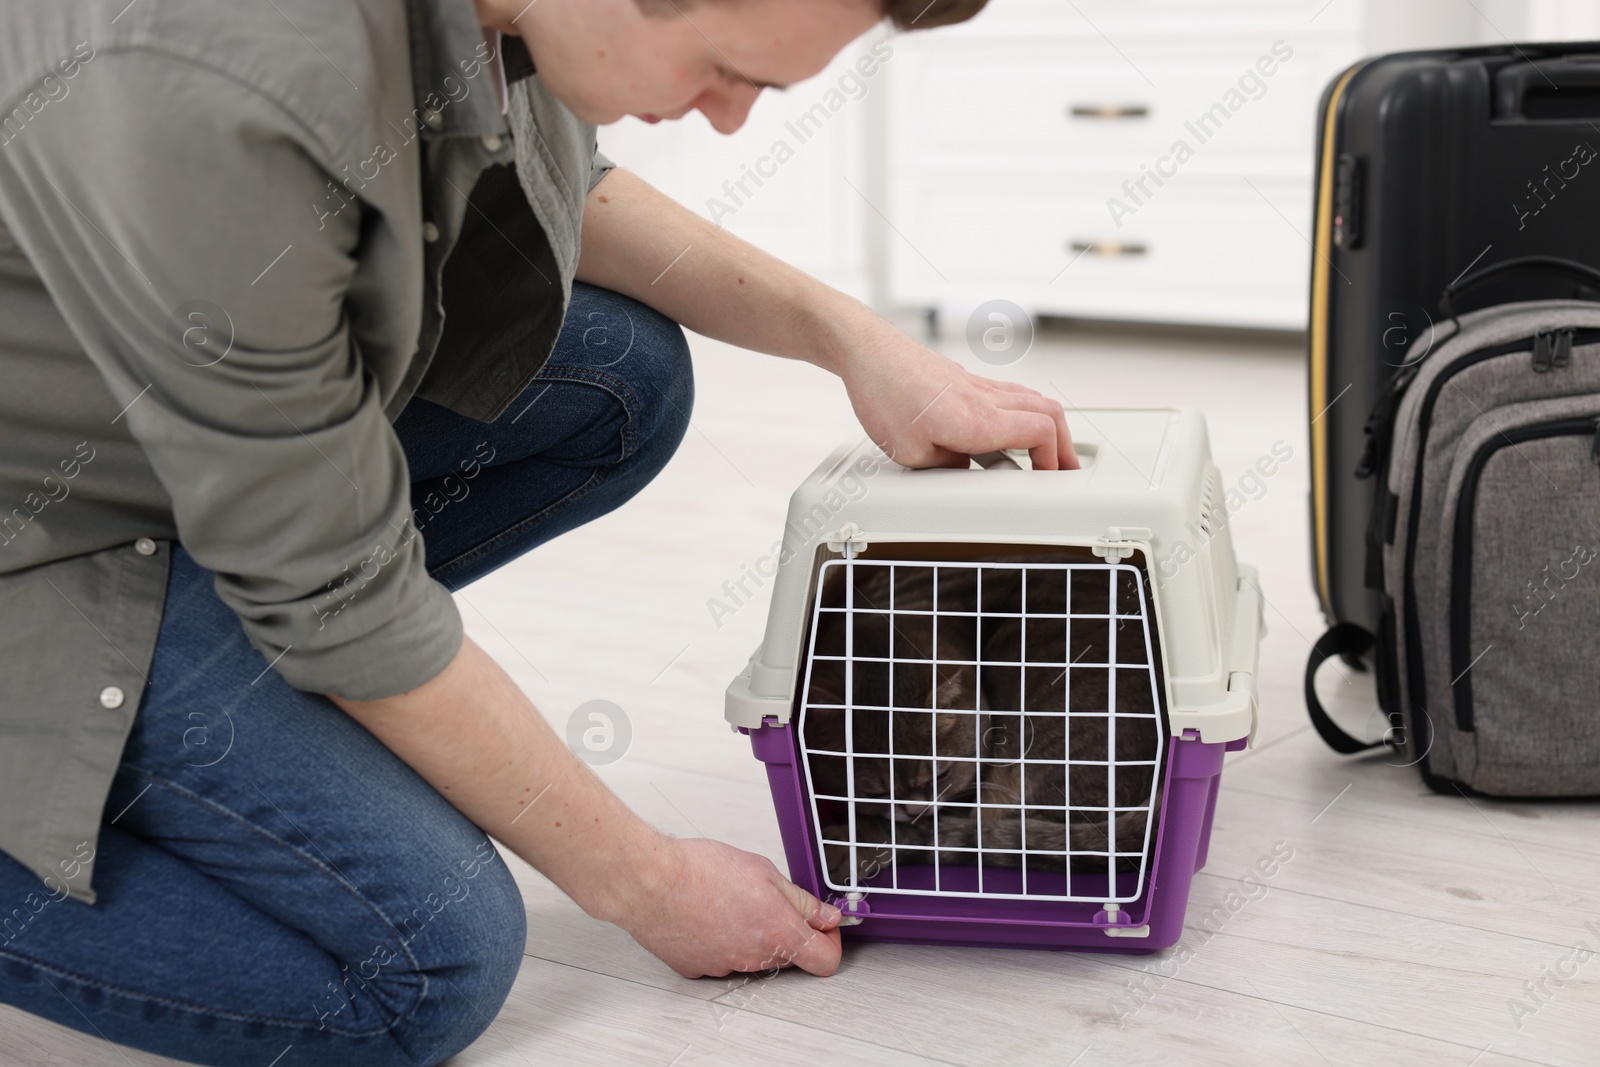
column 728, row 109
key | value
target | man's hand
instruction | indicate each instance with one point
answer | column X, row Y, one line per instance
column 922, row 409
column 925, row 410
column 703, row 907
column 720, row 909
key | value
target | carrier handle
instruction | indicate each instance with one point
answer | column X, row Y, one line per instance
column 1344, row 639
column 1532, row 91
column 996, row 461
column 1570, row 267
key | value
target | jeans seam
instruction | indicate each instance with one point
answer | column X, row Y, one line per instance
column 151, row 998
column 494, row 541
column 617, row 387
column 583, row 376
column 332, row 874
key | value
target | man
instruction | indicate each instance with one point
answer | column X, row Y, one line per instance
column 295, row 313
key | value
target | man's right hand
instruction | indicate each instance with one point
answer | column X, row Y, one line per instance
column 716, row 909
column 703, row 907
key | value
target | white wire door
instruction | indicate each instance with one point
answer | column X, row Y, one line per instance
column 983, row 729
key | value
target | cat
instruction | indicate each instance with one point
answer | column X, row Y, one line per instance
column 1011, row 723
column 911, row 639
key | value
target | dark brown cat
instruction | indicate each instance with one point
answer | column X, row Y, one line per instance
column 1025, row 694
column 911, row 640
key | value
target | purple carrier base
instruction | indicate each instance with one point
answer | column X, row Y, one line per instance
column 1189, row 800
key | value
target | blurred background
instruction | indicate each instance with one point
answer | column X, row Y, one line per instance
column 977, row 161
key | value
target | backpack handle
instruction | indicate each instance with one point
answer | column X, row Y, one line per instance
column 1570, row 267
column 1343, row 639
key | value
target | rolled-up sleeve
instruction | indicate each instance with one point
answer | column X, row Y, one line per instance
column 184, row 226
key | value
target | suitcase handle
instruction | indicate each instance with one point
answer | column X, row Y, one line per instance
column 1570, row 267
column 1533, row 91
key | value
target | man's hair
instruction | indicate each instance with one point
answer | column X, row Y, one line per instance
column 923, row 14
column 905, row 14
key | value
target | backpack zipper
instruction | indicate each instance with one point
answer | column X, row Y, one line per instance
column 1413, row 649
column 1461, row 654
column 1552, row 348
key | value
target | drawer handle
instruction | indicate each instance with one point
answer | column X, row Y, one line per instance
column 1108, row 111
column 1108, row 248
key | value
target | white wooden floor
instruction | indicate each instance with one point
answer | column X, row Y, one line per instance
column 1402, row 929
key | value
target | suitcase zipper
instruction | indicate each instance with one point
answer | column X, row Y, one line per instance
column 1461, row 654
column 1413, row 649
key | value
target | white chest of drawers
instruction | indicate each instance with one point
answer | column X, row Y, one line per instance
column 1146, row 160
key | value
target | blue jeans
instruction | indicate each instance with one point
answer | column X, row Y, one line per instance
column 271, row 880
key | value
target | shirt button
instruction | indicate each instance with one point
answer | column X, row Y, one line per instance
column 430, row 232
column 433, row 120
column 145, row 547
column 111, row 697
column 492, row 142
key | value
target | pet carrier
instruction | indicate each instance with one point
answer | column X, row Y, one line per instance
column 993, row 703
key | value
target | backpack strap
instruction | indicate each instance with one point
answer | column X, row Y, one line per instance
column 1349, row 641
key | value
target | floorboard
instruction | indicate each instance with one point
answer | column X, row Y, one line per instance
column 1402, row 930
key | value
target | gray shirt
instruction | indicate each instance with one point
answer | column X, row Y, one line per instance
column 222, row 234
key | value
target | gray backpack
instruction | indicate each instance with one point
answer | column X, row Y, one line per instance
column 1486, row 541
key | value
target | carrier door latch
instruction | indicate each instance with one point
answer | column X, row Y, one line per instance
column 1120, row 542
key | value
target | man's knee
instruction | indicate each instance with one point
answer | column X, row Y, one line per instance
column 464, row 939
column 474, row 923
column 643, row 357
column 670, row 389
column 658, row 372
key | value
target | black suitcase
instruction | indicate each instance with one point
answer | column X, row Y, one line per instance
column 1430, row 166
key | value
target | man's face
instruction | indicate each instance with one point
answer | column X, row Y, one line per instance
column 605, row 59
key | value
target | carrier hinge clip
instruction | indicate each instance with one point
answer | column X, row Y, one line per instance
column 1120, row 542
column 854, row 905
column 847, row 535
column 1117, row 923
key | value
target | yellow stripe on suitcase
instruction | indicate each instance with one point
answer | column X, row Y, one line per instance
column 1321, row 268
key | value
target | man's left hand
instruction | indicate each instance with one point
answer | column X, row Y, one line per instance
column 926, row 410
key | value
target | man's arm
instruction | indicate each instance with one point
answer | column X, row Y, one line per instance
column 284, row 474
column 701, row 906
column 923, row 409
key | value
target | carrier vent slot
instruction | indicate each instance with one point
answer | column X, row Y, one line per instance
column 1208, row 498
